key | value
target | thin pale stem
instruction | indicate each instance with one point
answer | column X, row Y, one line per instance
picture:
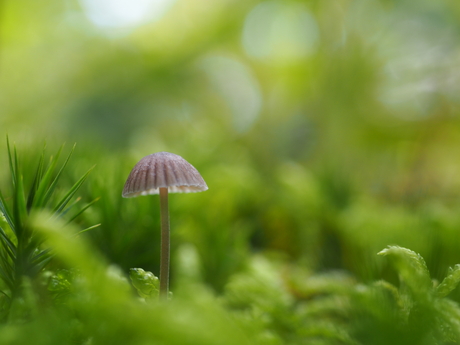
column 164, row 260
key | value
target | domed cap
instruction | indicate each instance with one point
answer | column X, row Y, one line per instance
column 163, row 169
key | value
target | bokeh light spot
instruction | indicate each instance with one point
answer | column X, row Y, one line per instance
column 240, row 89
column 280, row 31
column 124, row 14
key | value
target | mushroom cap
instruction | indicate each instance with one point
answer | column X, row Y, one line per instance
column 163, row 169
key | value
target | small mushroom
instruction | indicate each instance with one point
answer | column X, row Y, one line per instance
column 160, row 173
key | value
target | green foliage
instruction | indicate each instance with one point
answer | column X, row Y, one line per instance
column 417, row 312
column 411, row 268
column 450, row 282
column 261, row 296
column 61, row 284
column 22, row 252
column 146, row 284
column 270, row 299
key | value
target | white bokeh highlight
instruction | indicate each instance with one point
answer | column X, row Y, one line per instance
column 281, row 31
column 124, row 14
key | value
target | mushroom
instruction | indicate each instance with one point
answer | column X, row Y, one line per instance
column 160, row 173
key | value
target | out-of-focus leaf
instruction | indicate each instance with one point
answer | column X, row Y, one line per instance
column 61, row 284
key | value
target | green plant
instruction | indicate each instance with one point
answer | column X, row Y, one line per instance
column 22, row 252
column 415, row 312
column 146, row 283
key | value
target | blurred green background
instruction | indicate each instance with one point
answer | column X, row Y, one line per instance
column 325, row 130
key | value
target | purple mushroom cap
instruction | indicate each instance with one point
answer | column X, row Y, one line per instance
column 163, row 169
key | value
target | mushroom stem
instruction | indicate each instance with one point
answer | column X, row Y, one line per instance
column 164, row 260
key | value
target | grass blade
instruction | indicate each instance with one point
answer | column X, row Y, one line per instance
column 39, row 266
column 87, row 229
column 37, row 179
column 6, row 212
column 19, row 202
column 9, row 246
column 10, row 160
column 6, row 271
column 6, row 279
column 65, row 200
column 42, row 191
column 64, row 212
column 19, row 207
column 56, row 179
column 40, row 256
column 83, row 210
